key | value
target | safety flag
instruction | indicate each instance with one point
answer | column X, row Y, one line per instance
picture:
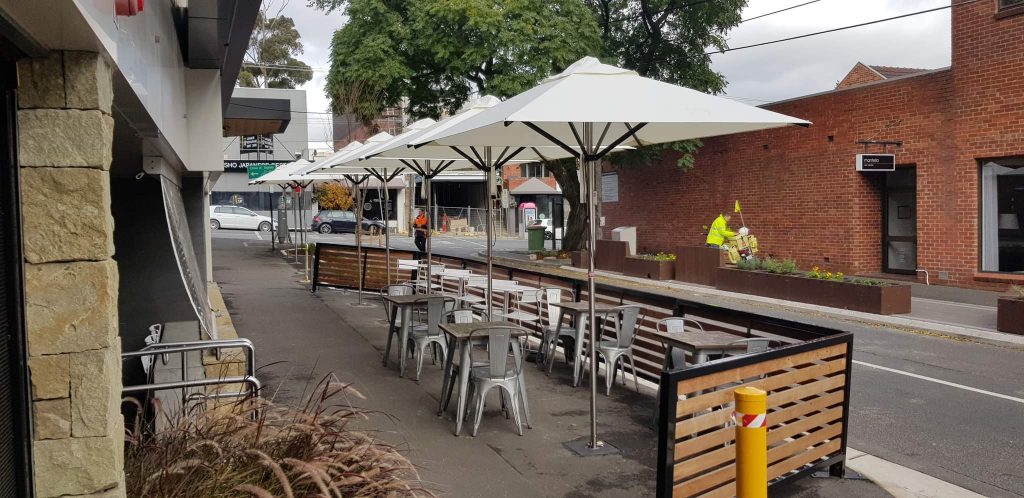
column 737, row 208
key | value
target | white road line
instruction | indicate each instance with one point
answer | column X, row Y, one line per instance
column 949, row 303
column 258, row 236
column 939, row 381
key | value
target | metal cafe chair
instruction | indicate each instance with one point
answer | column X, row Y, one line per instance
column 394, row 290
column 496, row 372
column 677, row 324
column 460, row 316
column 554, row 329
column 428, row 333
column 626, row 323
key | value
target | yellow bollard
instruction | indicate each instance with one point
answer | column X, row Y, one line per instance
column 751, row 443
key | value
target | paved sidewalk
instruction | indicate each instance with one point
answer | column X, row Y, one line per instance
column 303, row 336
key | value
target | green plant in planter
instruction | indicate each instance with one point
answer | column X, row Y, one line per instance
column 870, row 281
column 1017, row 291
column 749, row 264
column 661, row 256
column 825, row 275
column 780, row 266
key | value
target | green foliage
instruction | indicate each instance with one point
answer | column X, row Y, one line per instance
column 870, row 281
column 1017, row 291
column 825, row 274
column 438, row 54
column 274, row 42
column 661, row 256
column 749, row 264
column 780, row 266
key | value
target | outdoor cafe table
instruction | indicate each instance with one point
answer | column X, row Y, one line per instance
column 699, row 344
column 458, row 338
column 505, row 289
column 579, row 311
column 405, row 304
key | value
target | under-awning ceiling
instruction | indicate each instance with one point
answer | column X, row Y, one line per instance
column 249, row 116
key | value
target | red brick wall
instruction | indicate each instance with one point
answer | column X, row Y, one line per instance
column 802, row 196
column 858, row 75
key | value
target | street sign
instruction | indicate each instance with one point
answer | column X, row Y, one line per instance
column 258, row 170
column 876, row 162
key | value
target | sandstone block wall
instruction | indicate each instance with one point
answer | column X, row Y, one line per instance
column 65, row 138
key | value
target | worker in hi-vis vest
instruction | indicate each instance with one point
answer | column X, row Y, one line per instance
column 719, row 231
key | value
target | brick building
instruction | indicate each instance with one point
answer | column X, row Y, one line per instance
column 954, row 206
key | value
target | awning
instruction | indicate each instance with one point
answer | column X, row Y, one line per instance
column 250, row 116
column 536, row 186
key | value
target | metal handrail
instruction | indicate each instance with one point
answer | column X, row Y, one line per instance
column 164, row 348
column 252, row 382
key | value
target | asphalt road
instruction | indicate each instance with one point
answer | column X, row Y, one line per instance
column 948, row 408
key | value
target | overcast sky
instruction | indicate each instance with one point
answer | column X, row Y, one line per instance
column 762, row 74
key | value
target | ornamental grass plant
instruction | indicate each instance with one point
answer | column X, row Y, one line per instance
column 283, row 451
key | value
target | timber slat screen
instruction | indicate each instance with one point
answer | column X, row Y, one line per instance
column 808, row 407
column 335, row 265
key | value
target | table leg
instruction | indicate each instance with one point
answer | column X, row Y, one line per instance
column 449, row 366
column 581, row 318
column 391, row 331
column 517, row 355
column 404, row 347
column 554, row 340
column 465, row 365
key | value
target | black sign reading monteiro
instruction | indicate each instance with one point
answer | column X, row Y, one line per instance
column 876, row 162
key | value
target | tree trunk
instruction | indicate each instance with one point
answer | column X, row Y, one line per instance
column 574, row 237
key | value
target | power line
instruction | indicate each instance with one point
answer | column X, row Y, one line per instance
column 778, row 11
column 282, row 66
column 270, row 109
column 722, row 51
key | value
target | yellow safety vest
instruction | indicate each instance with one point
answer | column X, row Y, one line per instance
column 719, row 231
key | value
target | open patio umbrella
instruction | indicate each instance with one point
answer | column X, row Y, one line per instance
column 415, row 149
column 284, row 177
column 588, row 110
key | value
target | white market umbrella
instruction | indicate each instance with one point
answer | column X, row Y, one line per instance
column 410, row 148
column 596, row 107
column 283, row 177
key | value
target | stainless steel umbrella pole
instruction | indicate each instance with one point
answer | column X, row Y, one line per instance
column 489, row 228
column 357, row 182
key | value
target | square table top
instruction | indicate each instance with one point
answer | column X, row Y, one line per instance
column 583, row 306
column 462, row 330
column 411, row 298
column 697, row 340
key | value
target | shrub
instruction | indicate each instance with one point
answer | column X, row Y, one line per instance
column 1017, row 291
column 870, row 281
column 283, row 452
column 748, row 264
column 334, row 196
column 780, row 266
column 825, row 275
column 661, row 256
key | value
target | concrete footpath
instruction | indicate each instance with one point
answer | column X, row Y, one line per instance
column 300, row 337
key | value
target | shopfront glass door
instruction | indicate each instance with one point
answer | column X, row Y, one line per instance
column 899, row 211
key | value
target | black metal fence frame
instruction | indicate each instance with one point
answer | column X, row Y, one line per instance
column 835, row 463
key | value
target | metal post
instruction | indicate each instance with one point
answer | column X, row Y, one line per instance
column 489, row 164
column 589, row 167
column 270, row 202
column 385, row 211
column 430, row 254
column 751, row 443
column 359, row 240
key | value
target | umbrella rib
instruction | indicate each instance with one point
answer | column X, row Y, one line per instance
column 478, row 157
column 541, row 156
column 413, row 166
column 600, row 141
column 501, row 162
column 376, row 174
column 502, row 155
column 395, row 174
column 631, row 132
column 553, row 140
column 579, row 141
column 472, row 161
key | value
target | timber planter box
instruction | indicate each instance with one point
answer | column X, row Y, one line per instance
column 1010, row 315
column 649, row 268
column 610, row 256
column 883, row 300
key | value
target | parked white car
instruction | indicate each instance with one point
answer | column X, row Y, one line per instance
column 238, row 217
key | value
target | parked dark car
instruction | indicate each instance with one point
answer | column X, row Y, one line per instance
column 338, row 221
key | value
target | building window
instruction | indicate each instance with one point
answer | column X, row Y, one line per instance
column 535, row 170
column 1006, row 4
column 1002, row 215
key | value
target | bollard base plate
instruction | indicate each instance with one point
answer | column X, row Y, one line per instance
column 581, row 447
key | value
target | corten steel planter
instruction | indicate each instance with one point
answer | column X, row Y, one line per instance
column 698, row 264
column 649, row 268
column 1010, row 315
column 883, row 300
column 611, row 256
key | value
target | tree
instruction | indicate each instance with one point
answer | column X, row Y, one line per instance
column 270, row 58
column 438, row 54
column 334, row 196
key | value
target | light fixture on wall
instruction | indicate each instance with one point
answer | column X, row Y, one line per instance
column 128, row 7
